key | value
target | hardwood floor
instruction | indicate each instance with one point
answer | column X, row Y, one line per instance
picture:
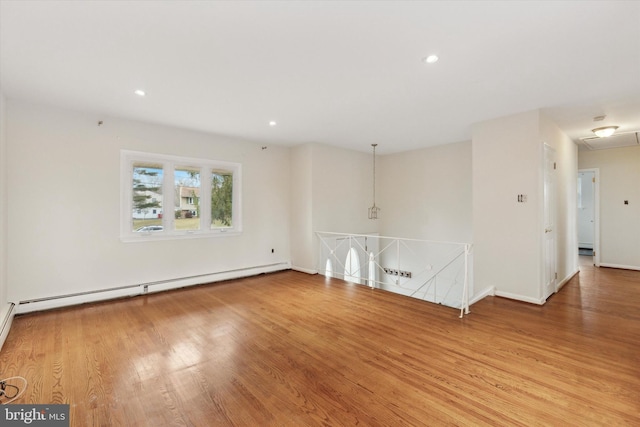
column 297, row 350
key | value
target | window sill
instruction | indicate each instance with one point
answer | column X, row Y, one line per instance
column 152, row 237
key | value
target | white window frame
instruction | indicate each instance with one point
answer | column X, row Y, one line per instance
column 169, row 164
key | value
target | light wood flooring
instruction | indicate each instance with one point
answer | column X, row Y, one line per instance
column 290, row 349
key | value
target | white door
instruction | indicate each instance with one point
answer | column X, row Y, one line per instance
column 586, row 210
column 549, row 239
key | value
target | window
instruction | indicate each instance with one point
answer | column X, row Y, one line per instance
column 146, row 194
column 168, row 197
column 221, row 194
column 187, row 189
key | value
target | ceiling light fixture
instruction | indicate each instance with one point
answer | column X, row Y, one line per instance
column 139, row 92
column 373, row 210
column 605, row 131
column 430, row 59
column 272, row 123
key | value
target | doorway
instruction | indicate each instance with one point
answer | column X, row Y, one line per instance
column 587, row 211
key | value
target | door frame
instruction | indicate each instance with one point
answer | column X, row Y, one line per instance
column 552, row 284
column 596, row 214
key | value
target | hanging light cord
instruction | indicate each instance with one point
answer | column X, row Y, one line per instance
column 373, row 210
column 374, row 174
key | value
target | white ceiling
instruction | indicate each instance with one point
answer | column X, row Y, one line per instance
column 346, row 73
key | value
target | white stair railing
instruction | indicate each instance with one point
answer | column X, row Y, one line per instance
column 437, row 272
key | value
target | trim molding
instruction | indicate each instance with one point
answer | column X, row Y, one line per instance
column 490, row 291
column 8, row 313
column 304, row 270
column 517, row 297
column 566, row 280
column 623, row 267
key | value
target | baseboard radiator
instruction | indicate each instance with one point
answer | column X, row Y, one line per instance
column 58, row 301
column 7, row 319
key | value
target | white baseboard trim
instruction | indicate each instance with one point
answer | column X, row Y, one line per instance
column 566, row 279
column 623, row 267
column 304, row 270
column 490, row 291
column 7, row 314
column 145, row 288
column 519, row 297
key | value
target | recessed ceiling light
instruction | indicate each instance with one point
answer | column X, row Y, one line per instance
column 139, row 92
column 272, row 123
column 430, row 59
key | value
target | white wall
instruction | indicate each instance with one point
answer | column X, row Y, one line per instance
column 64, row 204
column 619, row 223
column 342, row 190
column 423, row 194
column 63, row 197
column 507, row 246
column 302, row 239
column 7, row 311
column 3, row 209
column 507, row 161
column 426, row 194
column 331, row 191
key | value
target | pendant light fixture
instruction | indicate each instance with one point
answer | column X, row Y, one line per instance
column 373, row 210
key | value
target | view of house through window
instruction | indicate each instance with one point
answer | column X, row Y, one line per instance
column 147, row 197
column 187, row 198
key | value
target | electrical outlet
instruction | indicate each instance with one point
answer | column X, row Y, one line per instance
column 400, row 273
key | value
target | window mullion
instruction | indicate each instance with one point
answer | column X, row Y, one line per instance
column 127, row 195
column 168, row 216
column 205, row 199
